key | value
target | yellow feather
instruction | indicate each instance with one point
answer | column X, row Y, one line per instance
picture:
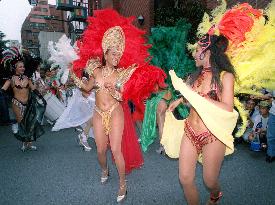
column 243, row 114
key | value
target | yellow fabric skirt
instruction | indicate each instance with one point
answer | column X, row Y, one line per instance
column 218, row 121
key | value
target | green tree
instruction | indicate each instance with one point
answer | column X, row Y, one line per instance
column 168, row 13
column 2, row 41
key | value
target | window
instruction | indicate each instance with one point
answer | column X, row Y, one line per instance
column 38, row 25
column 64, row 1
column 37, row 9
column 44, row 9
column 43, row 3
column 35, row 34
column 83, row 3
column 37, row 16
column 29, row 34
column 107, row 3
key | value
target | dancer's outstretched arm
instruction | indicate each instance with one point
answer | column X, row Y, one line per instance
column 6, row 85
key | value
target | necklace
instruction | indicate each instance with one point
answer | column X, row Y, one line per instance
column 206, row 69
column 20, row 76
column 21, row 79
column 106, row 73
column 202, row 76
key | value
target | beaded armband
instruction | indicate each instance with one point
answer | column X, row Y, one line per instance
column 124, row 75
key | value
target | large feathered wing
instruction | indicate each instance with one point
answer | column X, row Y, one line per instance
column 142, row 81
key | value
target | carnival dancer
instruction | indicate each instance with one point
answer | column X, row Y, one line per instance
column 27, row 110
column 78, row 113
column 210, row 93
column 122, row 75
column 270, row 156
column 80, row 106
column 168, row 50
column 214, row 81
column 156, row 107
column 4, row 109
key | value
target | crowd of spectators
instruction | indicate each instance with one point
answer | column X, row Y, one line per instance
column 259, row 132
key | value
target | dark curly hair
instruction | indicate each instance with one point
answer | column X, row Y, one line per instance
column 219, row 61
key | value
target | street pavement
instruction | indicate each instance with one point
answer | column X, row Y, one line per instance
column 61, row 173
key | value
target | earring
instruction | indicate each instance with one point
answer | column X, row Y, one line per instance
column 202, row 55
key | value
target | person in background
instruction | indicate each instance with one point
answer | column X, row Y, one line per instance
column 253, row 113
column 27, row 112
column 270, row 157
column 260, row 125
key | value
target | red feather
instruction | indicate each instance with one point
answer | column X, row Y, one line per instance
column 142, row 82
column 237, row 21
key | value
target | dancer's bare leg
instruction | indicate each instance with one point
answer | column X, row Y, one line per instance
column 101, row 141
column 17, row 113
column 161, row 109
column 213, row 155
column 88, row 127
column 117, row 126
column 187, row 167
column 19, row 117
column 83, row 137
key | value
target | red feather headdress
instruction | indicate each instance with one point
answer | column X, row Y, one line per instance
column 135, row 51
column 234, row 25
column 237, row 21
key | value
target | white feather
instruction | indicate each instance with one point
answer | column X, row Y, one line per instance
column 62, row 53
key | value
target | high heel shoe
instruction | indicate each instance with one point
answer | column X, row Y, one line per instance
column 32, row 148
column 214, row 199
column 104, row 176
column 82, row 141
column 161, row 150
column 121, row 198
column 24, row 147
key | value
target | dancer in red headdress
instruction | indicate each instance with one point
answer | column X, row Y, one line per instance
column 122, row 75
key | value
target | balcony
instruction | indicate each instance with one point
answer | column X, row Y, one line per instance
column 79, row 14
column 65, row 5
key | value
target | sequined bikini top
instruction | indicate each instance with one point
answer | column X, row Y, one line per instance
column 213, row 93
column 18, row 86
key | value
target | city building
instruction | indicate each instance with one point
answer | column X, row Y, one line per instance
column 77, row 11
column 144, row 10
column 259, row 4
column 37, row 21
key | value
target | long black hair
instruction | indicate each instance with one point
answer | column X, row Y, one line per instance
column 219, row 61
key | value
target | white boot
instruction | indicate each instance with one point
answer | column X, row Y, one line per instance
column 24, row 147
column 14, row 128
column 83, row 142
column 161, row 150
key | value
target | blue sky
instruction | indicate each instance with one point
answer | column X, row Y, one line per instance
column 12, row 16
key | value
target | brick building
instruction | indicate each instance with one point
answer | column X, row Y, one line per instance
column 36, row 22
column 142, row 9
column 146, row 8
column 259, row 4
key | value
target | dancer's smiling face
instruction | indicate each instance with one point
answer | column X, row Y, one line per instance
column 112, row 57
column 20, row 68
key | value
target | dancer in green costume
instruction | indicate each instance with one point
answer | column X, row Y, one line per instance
column 168, row 51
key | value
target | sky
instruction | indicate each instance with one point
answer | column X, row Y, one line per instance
column 12, row 16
